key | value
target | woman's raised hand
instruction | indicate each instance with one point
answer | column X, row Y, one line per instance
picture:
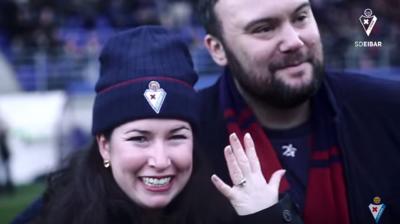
column 250, row 192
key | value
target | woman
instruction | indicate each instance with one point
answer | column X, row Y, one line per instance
column 143, row 166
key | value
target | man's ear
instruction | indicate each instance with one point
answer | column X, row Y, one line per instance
column 216, row 49
column 104, row 147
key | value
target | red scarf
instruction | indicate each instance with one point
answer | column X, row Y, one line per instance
column 326, row 200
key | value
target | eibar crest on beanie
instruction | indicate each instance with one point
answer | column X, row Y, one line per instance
column 155, row 96
column 146, row 72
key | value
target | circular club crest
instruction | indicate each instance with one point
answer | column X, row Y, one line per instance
column 368, row 13
column 377, row 200
column 154, row 85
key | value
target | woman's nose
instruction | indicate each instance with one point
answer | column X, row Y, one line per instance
column 159, row 158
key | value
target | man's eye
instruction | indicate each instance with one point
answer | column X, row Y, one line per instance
column 263, row 29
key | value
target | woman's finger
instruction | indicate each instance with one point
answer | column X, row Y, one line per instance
column 233, row 167
column 222, row 187
column 240, row 155
column 251, row 153
column 276, row 178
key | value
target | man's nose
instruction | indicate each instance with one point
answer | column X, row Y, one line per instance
column 159, row 158
column 290, row 40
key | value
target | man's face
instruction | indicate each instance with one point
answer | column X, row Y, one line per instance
column 273, row 48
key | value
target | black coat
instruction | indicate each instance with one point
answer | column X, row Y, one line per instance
column 368, row 128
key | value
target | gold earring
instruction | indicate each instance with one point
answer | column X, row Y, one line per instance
column 106, row 163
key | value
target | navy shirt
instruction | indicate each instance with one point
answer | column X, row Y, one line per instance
column 293, row 149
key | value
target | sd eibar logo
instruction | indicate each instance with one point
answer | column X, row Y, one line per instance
column 155, row 96
column 377, row 208
column 368, row 21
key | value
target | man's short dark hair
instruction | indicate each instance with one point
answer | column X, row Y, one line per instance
column 207, row 16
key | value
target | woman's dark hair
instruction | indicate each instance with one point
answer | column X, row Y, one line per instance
column 86, row 192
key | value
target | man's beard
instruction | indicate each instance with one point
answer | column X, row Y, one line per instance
column 274, row 91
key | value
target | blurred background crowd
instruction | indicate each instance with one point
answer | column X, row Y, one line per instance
column 53, row 44
column 48, row 65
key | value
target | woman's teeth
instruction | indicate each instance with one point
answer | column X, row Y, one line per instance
column 156, row 182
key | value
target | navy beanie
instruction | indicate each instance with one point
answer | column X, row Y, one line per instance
column 146, row 72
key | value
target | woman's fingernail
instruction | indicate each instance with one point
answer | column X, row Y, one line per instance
column 228, row 149
column 233, row 136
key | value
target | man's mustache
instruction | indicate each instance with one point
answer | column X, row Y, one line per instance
column 289, row 60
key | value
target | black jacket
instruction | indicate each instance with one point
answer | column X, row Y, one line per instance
column 368, row 128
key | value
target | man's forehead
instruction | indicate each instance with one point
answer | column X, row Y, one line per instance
column 244, row 11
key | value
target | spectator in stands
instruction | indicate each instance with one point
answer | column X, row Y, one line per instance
column 337, row 135
column 144, row 166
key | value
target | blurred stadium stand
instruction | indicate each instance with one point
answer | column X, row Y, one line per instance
column 55, row 44
column 8, row 83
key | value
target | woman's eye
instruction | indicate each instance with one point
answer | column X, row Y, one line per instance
column 302, row 17
column 138, row 139
column 177, row 137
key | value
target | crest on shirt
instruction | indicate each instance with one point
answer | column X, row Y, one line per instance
column 290, row 150
column 377, row 208
column 155, row 96
column 368, row 21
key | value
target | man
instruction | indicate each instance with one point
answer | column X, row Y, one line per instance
column 337, row 135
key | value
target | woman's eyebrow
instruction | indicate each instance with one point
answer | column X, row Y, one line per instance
column 137, row 130
column 180, row 128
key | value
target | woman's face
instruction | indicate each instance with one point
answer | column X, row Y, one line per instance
column 151, row 159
